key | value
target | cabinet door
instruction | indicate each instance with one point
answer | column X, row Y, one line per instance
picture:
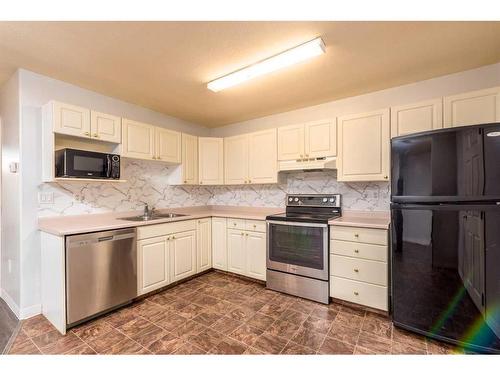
column 255, row 248
column 71, row 119
column 152, row 264
column 204, row 245
column 291, row 142
column 105, row 127
column 262, row 157
column 236, row 255
column 236, row 160
column 320, row 138
column 137, row 140
column 189, row 159
column 211, row 161
column 471, row 108
column 416, row 117
column 364, row 147
column 182, row 255
column 219, row 247
column 167, row 145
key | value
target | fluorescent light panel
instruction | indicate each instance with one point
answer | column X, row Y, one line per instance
column 292, row 56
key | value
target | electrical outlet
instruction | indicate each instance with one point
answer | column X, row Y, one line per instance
column 46, row 198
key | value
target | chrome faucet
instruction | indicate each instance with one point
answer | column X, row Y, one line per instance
column 148, row 212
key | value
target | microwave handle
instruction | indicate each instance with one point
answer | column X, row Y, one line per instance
column 108, row 170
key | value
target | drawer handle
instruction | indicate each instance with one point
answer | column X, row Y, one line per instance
column 356, row 251
column 356, row 270
column 356, row 293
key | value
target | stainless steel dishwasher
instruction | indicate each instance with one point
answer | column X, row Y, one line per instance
column 101, row 272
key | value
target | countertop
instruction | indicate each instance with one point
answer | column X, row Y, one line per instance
column 75, row 224
column 366, row 219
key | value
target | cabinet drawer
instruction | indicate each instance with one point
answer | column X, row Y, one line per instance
column 358, row 292
column 156, row 230
column 236, row 224
column 359, row 250
column 359, row 269
column 357, row 234
column 255, row 225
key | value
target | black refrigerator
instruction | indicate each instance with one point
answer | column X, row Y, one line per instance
column 445, row 240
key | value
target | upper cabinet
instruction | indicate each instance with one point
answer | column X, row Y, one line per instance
column 189, row 159
column 105, row 127
column 315, row 139
column 138, row 140
column 364, row 147
column 144, row 141
column 70, row 119
column 251, row 158
column 211, row 161
column 417, row 117
column 476, row 107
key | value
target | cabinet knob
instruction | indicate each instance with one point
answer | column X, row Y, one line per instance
column 185, row 181
column 356, row 251
column 168, row 238
column 234, row 224
column 242, row 233
column 96, row 135
column 86, row 133
column 246, row 234
column 356, row 270
column 201, row 182
column 356, row 293
column 173, row 237
column 356, row 235
column 301, row 156
column 307, row 155
column 386, row 177
column 255, row 226
column 158, row 157
column 249, row 181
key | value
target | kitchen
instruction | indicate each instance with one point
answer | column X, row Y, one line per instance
column 220, row 231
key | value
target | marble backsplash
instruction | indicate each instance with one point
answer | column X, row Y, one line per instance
column 148, row 182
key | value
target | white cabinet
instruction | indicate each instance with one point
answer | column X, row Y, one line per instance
column 314, row 139
column 236, row 160
column 320, row 138
column 70, row 119
column 236, row 257
column 417, row 117
column 364, row 147
column 262, row 159
column 251, row 158
column 219, row 246
column 138, row 140
column 189, row 159
column 255, row 248
column 105, row 127
column 471, row 108
column 167, row 145
column 246, row 249
column 204, row 245
column 152, row 264
column 211, row 161
column 182, row 255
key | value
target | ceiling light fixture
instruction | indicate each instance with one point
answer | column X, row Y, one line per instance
column 289, row 57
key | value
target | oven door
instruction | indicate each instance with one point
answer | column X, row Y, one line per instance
column 88, row 164
column 298, row 248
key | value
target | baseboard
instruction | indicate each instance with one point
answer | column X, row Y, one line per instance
column 10, row 302
column 30, row 311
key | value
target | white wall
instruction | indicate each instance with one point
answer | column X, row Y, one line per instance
column 10, row 195
column 475, row 79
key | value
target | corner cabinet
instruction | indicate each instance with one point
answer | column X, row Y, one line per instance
column 251, row 158
column 314, row 139
column 364, row 147
column 417, row 117
column 211, row 161
column 471, row 108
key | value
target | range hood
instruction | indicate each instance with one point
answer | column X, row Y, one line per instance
column 308, row 164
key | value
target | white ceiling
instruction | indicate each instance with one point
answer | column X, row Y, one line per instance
column 165, row 65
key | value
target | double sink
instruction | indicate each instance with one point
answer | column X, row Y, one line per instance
column 153, row 216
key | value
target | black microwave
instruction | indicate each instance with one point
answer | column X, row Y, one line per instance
column 86, row 164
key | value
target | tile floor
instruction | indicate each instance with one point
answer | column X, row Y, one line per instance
column 217, row 313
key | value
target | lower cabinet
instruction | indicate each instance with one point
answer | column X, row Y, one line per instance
column 182, row 255
column 246, row 251
column 153, row 268
column 204, row 245
column 219, row 243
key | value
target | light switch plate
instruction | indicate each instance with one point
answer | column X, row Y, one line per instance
column 46, row 198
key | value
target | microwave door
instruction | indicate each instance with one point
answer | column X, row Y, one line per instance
column 108, row 166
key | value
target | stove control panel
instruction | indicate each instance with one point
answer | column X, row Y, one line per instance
column 313, row 200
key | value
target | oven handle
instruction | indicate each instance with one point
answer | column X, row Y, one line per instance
column 297, row 224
